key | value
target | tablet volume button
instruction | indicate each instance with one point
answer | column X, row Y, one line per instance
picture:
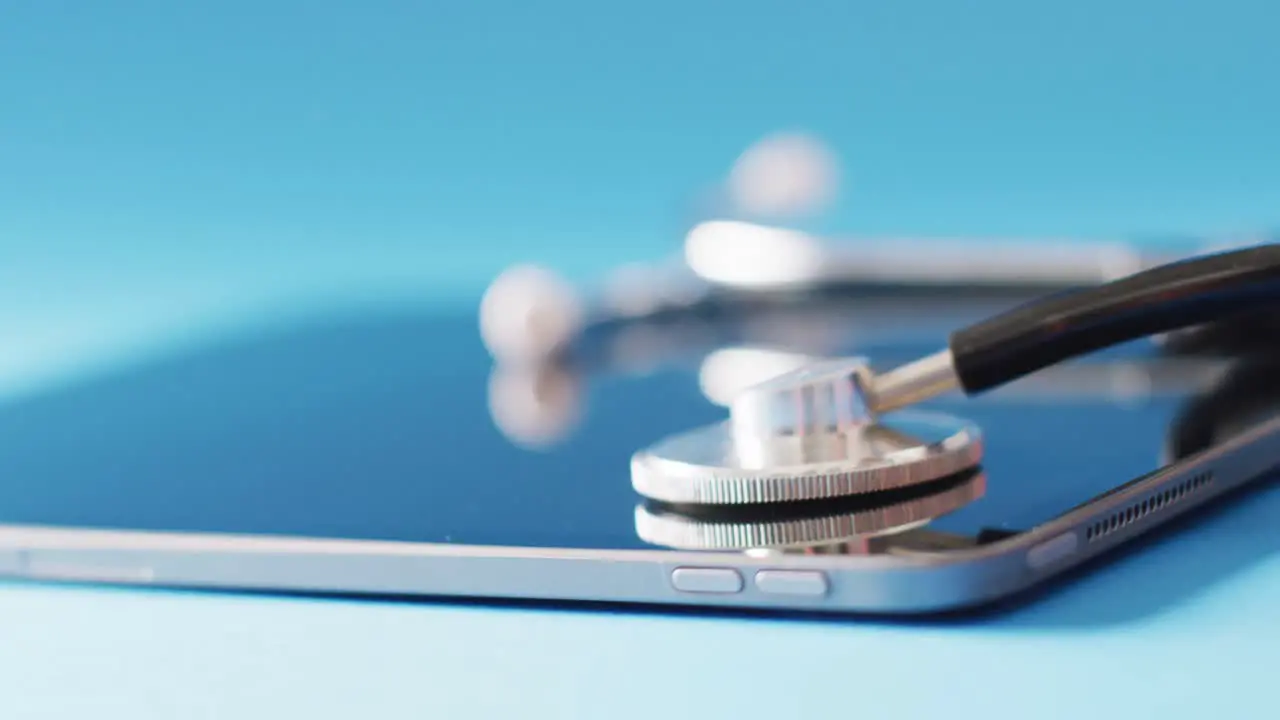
column 808, row 583
column 706, row 580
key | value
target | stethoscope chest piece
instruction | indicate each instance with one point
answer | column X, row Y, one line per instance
column 806, row 435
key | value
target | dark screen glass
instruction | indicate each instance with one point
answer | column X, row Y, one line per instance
column 381, row 426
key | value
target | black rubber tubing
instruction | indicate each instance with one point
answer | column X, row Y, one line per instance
column 1047, row 331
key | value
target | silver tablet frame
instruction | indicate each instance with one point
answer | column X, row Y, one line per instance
column 915, row 583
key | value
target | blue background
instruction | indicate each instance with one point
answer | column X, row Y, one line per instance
column 168, row 171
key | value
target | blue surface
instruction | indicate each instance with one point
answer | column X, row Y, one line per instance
column 167, row 171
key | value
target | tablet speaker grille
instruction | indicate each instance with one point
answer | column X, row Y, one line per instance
column 1152, row 504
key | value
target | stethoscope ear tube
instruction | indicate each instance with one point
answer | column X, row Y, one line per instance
column 1063, row 326
column 1248, row 395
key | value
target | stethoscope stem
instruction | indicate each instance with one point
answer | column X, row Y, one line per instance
column 912, row 383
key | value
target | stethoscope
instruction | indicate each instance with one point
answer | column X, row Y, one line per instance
column 900, row 522
column 836, row 427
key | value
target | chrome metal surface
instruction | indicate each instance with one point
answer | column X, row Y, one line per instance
column 912, row 383
column 803, row 435
column 703, row 466
column 683, row 531
column 812, row 412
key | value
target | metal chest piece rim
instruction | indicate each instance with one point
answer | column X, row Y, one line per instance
column 731, row 529
column 806, row 435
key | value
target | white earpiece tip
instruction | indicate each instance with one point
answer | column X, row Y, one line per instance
column 527, row 313
column 534, row 407
column 784, row 174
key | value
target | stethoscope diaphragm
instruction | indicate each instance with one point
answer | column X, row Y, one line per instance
column 805, row 436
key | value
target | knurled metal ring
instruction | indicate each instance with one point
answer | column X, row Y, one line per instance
column 904, row 449
column 670, row 528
